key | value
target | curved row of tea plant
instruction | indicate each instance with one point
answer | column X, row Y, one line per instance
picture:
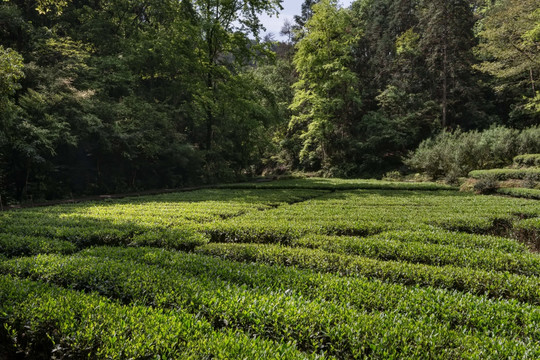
column 382, row 248
column 40, row 321
column 481, row 282
column 14, row 245
column 315, row 326
column 520, row 192
column 507, row 174
column 432, row 235
column 527, row 160
column 85, row 232
column 461, row 310
column 368, row 212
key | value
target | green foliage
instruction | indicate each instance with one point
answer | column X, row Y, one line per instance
column 369, row 212
column 454, row 239
column 382, row 248
column 527, row 160
column 11, row 71
column 114, row 96
column 276, row 80
column 119, row 95
column 479, row 282
column 507, row 174
column 122, row 96
column 410, row 289
column 315, row 325
column 520, row 192
column 360, row 293
column 168, row 221
column 300, row 27
column 389, row 133
column 446, row 42
column 510, row 53
column 41, row 320
column 235, row 215
column 326, row 93
column 55, row 6
column 457, row 153
column 13, row 245
column 407, row 43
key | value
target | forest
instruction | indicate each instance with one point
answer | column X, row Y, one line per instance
column 102, row 96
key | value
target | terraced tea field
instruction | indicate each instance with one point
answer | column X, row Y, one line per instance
column 294, row 269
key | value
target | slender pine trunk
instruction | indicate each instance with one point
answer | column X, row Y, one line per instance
column 445, row 89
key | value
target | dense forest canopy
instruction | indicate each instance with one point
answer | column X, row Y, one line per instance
column 112, row 95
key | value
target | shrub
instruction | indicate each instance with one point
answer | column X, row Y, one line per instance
column 457, row 153
column 527, row 160
column 486, row 185
column 507, row 174
column 393, row 176
column 521, row 192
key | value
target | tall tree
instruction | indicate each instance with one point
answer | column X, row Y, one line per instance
column 11, row 71
column 326, row 97
column 510, row 47
column 382, row 22
column 300, row 21
column 447, row 40
column 226, row 27
column 306, row 12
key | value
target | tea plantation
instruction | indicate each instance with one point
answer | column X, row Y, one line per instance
column 292, row 269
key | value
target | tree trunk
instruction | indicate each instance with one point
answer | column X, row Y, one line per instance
column 27, row 177
column 445, row 90
column 532, row 81
column 209, row 132
column 211, row 87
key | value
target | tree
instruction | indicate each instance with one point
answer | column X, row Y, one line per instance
column 306, row 13
column 447, row 40
column 326, row 97
column 288, row 31
column 397, row 110
column 382, row 23
column 226, row 27
column 510, row 48
column 275, row 80
column 299, row 28
column 11, row 71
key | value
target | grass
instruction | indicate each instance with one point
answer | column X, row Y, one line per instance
column 292, row 269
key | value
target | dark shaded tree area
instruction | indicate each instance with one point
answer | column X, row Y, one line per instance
column 115, row 95
column 112, row 95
